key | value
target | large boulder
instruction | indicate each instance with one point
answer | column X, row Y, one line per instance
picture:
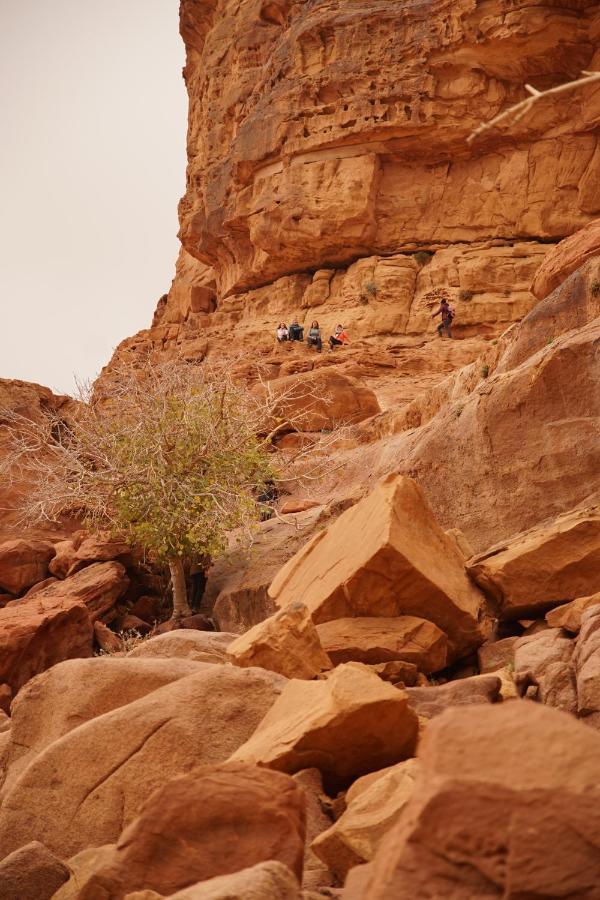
column 23, row 563
column 318, row 819
column 386, row 556
column 543, row 669
column 346, row 726
column 286, row 642
column 370, row 813
column 76, row 691
column 98, row 586
column 556, row 561
column 31, row 873
column 566, row 257
column 85, row 787
column 211, row 821
column 324, row 398
column 185, row 643
column 507, row 804
column 39, row 632
column 377, row 640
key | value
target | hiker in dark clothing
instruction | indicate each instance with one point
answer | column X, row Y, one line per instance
column 314, row 337
column 447, row 314
column 295, row 331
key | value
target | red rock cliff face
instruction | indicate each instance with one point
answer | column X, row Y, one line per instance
column 323, row 132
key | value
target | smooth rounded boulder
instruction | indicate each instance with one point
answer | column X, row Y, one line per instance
column 186, row 643
column 85, row 787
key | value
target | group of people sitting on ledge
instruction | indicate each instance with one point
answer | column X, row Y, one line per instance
column 295, row 332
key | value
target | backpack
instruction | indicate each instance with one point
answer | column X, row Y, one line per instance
column 451, row 311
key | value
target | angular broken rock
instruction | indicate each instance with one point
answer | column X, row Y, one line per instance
column 212, row 821
column 98, row 586
column 378, row 640
column 287, row 643
column 494, row 655
column 556, row 561
column 386, row 556
column 23, row 563
column 507, row 804
column 346, row 726
column 106, row 639
column 318, row 818
column 431, row 701
column 586, row 659
column 31, row 873
column 568, row 616
column 37, row 633
column 82, row 789
column 369, row 815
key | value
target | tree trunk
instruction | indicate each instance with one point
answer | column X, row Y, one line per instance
column 180, row 602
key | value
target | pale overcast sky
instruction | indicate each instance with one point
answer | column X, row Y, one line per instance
column 92, row 164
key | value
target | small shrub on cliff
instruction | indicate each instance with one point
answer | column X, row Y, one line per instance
column 595, row 288
column 465, row 295
column 422, row 257
column 169, row 458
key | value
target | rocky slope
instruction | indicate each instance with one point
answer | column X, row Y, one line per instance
column 402, row 698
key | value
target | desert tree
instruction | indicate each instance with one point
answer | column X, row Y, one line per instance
column 170, row 457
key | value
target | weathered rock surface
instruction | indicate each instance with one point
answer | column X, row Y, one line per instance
column 287, row 643
column 557, row 561
column 381, row 557
column 211, row 821
column 431, row 701
column 494, row 655
column 76, row 691
column 568, row 616
column 318, row 818
column 84, row 788
column 98, row 586
column 186, row 643
column 39, row 632
column 586, row 660
column 345, row 726
column 23, row 563
column 543, row 663
column 31, row 873
column 379, row 640
column 489, row 777
column 568, row 256
column 265, row 881
column 370, row 814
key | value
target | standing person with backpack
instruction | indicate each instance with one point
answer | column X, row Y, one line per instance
column 447, row 314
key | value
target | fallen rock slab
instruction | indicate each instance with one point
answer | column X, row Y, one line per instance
column 429, row 702
column 318, row 819
column 186, row 643
column 567, row 256
column 507, row 803
column 23, row 563
column 31, row 873
column 82, row 789
column 76, row 691
column 212, row 821
column 370, row 814
column 345, row 726
column 98, row 586
column 586, row 660
column 378, row 640
column 287, row 643
column 494, row 655
column 557, row 561
column 37, row 633
column 568, row 616
column 386, row 556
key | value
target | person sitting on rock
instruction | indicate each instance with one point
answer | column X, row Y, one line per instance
column 314, row 337
column 282, row 333
column 338, row 338
column 447, row 314
column 295, row 331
